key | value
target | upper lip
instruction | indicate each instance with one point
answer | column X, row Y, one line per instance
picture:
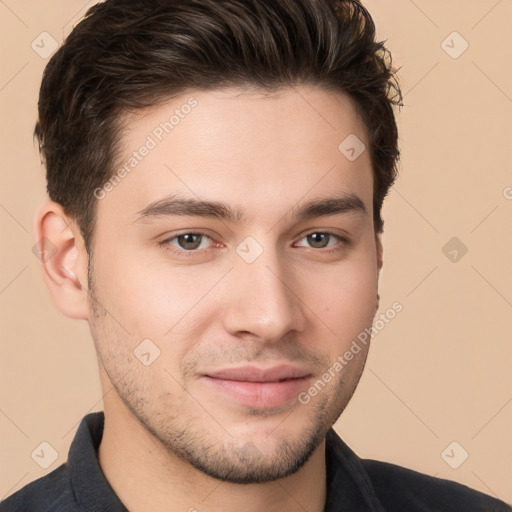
column 255, row 374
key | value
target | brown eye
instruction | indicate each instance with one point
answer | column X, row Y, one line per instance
column 186, row 244
column 189, row 241
column 321, row 239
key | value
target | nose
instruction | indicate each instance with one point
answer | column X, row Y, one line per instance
column 263, row 300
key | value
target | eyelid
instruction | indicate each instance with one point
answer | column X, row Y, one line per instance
column 337, row 236
column 166, row 242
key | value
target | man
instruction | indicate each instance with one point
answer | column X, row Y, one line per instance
column 216, row 172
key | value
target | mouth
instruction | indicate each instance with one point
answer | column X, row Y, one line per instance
column 260, row 388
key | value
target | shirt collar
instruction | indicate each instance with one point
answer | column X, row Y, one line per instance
column 348, row 485
column 90, row 487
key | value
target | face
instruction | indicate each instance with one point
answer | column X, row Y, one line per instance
column 223, row 297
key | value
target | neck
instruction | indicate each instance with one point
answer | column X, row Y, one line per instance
column 147, row 477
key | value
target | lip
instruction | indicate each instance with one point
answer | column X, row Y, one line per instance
column 261, row 388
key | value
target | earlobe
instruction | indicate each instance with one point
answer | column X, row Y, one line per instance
column 60, row 249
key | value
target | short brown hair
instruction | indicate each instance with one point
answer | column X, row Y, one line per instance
column 132, row 54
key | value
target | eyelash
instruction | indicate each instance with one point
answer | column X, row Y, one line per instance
column 182, row 252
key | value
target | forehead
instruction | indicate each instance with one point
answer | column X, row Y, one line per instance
column 246, row 148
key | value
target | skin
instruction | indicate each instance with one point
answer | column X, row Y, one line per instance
column 171, row 441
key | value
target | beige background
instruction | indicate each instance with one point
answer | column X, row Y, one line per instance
column 439, row 372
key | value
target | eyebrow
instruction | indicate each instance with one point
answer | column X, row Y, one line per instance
column 184, row 206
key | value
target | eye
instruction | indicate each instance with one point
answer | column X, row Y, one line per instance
column 318, row 240
column 183, row 243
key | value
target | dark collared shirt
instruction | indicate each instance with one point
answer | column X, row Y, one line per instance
column 353, row 484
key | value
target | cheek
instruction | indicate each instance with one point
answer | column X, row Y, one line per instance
column 346, row 299
column 148, row 297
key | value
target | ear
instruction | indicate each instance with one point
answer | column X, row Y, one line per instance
column 60, row 249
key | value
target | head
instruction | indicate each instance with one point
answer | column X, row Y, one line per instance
column 216, row 174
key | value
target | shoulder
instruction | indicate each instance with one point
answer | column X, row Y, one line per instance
column 52, row 492
column 400, row 488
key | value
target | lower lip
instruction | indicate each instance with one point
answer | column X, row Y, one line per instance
column 259, row 395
